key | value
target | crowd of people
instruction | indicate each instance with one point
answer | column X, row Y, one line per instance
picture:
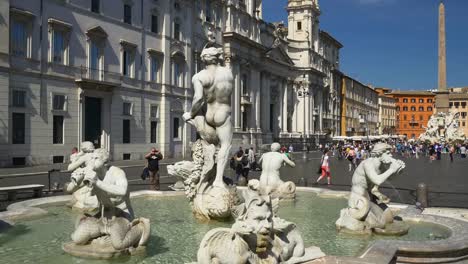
column 245, row 160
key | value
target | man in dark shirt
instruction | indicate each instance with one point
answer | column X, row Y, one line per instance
column 153, row 167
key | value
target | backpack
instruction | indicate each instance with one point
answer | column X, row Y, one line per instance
column 245, row 160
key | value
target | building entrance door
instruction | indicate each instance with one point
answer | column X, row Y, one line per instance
column 92, row 122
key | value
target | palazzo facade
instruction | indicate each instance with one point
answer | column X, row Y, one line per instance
column 118, row 73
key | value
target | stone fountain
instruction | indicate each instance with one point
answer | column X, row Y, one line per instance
column 367, row 211
column 113, row 230
column 443, row 128
column 210, row 114
column 257, row 236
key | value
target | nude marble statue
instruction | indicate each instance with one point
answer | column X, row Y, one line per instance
column 364, row 213
column 270, row 181
column 114, row 230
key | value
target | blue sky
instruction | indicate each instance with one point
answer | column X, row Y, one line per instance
column 393, row 43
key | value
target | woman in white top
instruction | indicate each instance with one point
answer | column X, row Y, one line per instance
column 325, row 165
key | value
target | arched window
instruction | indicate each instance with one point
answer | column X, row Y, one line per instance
column 429, row 108
column 405, row 108
column 404, row 117
column 405, row 100
column 421, row 108
column 413, row 108
column 413, row 100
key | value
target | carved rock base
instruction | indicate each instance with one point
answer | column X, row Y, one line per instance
column 310, row 254
column 214, row 203
column 100, row 251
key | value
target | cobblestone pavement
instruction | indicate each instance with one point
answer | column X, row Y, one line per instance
column 447, row 182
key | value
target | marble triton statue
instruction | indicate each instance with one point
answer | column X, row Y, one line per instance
column 367, row 211
column 270, row 181
column 211, row 115
column 258, row 236
column 114, row 230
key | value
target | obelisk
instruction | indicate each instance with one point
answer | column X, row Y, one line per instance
column 442, row 97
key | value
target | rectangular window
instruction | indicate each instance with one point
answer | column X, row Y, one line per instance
column 126, row 131
column 177, row 74
column 18, row 127
column 208, row 11
column 18, row 98
column 127, row 109
column 299, row 25
column 154, row 111
column 154, row 69
column 58, row 102
column 154, row 24
column 95, row 6
column 95, row 60
column 153, row 135
column 19, row 39
column 127, row 63
column 58, row 55
column 58, row 130
column 175, row 128
column 127, row 14
column 177, row 31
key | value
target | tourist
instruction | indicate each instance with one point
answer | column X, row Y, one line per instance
column 325, row 166
column 153, row 158
column 451, row 151
column 438, row 149
column 291, row 149
column 463, row 151
column 351, row 157
column 238, row 163
column 245, row 162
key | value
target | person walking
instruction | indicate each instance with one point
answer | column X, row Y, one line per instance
column 451, row 151
column 351, row 157
column 463, row 151
column 325, row 166
column 246, row 164
column 153, row 158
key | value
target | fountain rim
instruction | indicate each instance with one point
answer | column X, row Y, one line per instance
column 382, row 251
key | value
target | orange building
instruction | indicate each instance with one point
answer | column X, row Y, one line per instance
column 413, row 111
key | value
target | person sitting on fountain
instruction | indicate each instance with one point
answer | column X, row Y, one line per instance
column 363, row 212
column 211, row 107
column 270, row 181
column 115, row 221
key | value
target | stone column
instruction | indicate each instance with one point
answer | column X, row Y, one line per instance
column 285, row 107
column 266, row 104
column 237, row 96
column 258, row 105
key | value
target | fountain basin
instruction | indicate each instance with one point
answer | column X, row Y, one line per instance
column 176, row 234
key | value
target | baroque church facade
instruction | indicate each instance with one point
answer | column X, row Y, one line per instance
column 118, row 73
